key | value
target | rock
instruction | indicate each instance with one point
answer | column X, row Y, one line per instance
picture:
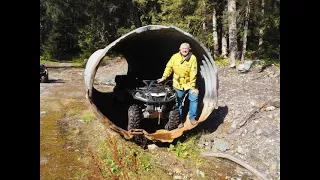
column 270, row 108
column 275, row 103
column 262, row 168
column 241, row 150
column 221, row 145
column 270, row 116
column 267, row 131
column 258, row 131
column 253, row 103
column 232, row 128
column 235, row 178
column 43, row 160
column 152, row 146
column 200, row 173
column 245, row 66
column 177, row 177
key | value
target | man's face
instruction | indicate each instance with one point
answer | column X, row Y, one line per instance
column 184, row 50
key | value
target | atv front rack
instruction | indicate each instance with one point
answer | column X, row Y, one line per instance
column 153, row 92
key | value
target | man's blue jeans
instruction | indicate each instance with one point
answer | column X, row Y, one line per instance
column 193, row 105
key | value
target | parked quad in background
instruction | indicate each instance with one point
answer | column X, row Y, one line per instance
column 44, row 75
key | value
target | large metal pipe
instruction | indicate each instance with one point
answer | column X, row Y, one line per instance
column 147, row 50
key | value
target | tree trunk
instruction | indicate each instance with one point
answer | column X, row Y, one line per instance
column 224, row 33
column 214, row 32
column 245, row 32
column 261, row 30
column 204, row 12
column 232, row 32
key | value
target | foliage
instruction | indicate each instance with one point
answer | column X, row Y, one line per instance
column 78, row 28
column 116, row 160
column 186, row 149
column 88, row 117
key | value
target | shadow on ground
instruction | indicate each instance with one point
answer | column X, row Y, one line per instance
column 55, row 81
column 215, row 119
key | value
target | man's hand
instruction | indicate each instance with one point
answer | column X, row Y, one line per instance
column 160, row 80
column 195, row 91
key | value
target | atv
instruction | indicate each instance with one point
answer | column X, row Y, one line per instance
column 44, row 75
column 150, row 100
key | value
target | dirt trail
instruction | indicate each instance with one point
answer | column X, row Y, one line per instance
column 66, row 134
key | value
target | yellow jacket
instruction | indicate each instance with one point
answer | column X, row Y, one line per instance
column 184, row 74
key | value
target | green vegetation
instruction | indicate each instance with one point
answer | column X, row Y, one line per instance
column 73, row 31
column 88, row 117
column 116, row 160
column 186, row 149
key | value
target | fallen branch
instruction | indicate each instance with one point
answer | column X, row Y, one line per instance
column 236, row 160
column 247, row 117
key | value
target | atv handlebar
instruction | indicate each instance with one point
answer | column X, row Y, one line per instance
column 150, row 84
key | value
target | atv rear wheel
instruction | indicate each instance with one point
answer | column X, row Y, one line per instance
column 134, row 117
column 44, row 79
column 174, row 120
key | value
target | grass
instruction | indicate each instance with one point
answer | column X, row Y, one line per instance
column 88, row 117
column 187, row 149
column 117, row 160
column 76, row 61
column 226, row 62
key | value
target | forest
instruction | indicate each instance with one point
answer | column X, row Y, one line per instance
column 235, row 30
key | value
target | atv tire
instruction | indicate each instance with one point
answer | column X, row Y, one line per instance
column 134, row 117
column 44, row 79
column 173, row 121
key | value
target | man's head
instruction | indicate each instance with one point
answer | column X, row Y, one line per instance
column 184, row 49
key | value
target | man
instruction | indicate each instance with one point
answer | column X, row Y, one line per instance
column 184, row 67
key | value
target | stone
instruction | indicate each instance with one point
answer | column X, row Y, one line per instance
column 152, row 146
column 241, row 150
column 270, row 108
column 258, row 131
column 221, row 145
column 200, row 173
column 244, row 67
column 177, row 177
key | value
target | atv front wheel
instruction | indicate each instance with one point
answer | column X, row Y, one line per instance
column 134, row 117
column 174, row 120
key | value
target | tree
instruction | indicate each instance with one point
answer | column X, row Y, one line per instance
column 214, row 31
column 232, row 32
column 262, row 26
column 245, row 32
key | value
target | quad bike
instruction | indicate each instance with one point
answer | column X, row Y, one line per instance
column 44, row 75
column 150, row 100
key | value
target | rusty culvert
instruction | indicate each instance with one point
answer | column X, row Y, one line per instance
column 147, row 50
